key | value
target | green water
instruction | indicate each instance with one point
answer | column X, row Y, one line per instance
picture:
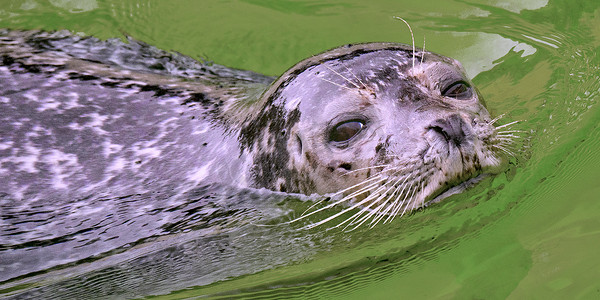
column 530, row 233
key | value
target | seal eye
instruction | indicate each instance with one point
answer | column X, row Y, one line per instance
column 346, row 130
column 458, row 90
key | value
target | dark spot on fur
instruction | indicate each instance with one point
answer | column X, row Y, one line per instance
column 82, row 77
column 92, row 60
column 386, row 74
column 312, row 162
column 270, row 166
column 157, row 66
column 196, row 98
column 110, row 84
column 7, row 60
column 158, row 91
column 31, row 68
column 40, row 42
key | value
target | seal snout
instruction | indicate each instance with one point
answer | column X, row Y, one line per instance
column 452, row 129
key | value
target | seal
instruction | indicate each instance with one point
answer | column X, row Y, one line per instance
column 385, row 128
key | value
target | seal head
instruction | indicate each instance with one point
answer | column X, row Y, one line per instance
column 385, row 127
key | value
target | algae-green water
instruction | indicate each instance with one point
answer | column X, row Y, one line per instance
column 531, row 232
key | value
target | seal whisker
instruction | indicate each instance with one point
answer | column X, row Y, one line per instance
column 382, row 214
column 508, row 145
column 369, row 215
column 364, row 86
column 344, row 199
column 397, row 186
column 365, row 168
column 510, row 131
column 400, row 203
column 362, row 190
column 423, row 56
column 344, row 77
column 370, row 212
column 412, row 205
column 360, row 203
column 504, row 150
column 378, row 177
column 508, row 136
column 412, row 37
column 345, row 87
column 494, row 120
column 403, row 203
column 376, row 213
column 310, row 207
column 409, row 204
column 397, row 202
column 353, row 219
column 394, row 186
column 508, row 124
column 509, row 139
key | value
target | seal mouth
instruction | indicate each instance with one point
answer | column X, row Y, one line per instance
column 453, row 190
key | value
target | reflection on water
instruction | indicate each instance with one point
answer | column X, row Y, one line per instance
column 529, row 231
column 74, row 6
column 487, row 50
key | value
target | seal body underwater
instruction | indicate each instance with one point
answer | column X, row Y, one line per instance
column 386, row 128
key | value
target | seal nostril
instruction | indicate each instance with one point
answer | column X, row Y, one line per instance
column 440, row 131
column 346, row 166
column 451, row 128
column 298, row 144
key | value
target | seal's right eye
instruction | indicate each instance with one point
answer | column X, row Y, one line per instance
column 344, row 131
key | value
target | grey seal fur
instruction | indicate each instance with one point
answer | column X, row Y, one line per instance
column 383, row 127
